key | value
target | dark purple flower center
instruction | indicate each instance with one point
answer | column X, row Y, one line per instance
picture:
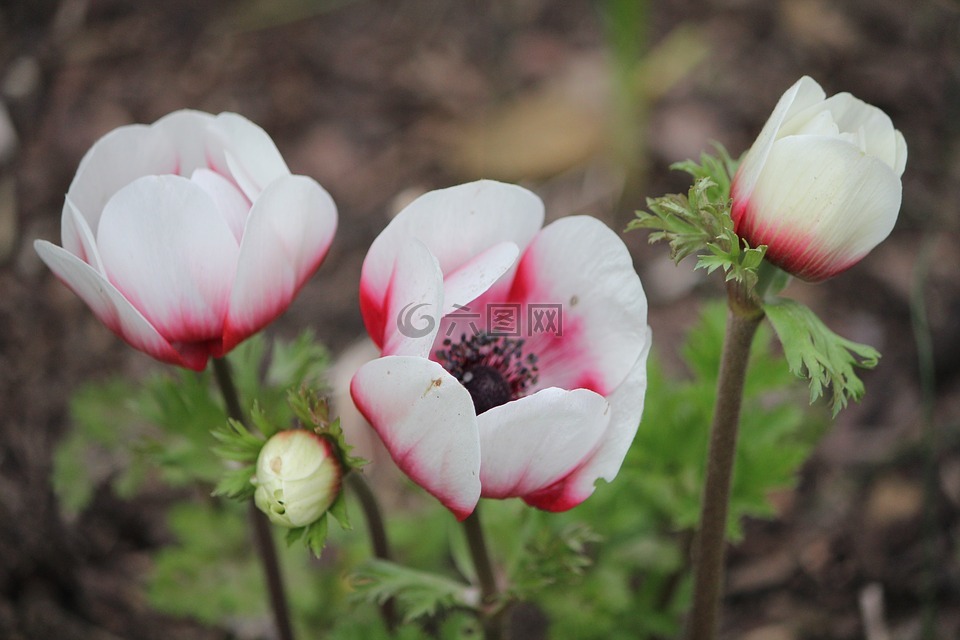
column 492, row 368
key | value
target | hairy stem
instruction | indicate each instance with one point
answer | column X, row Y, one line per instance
column 263, row 538
column 708, row 554
column 378, row 535
column 489, row 593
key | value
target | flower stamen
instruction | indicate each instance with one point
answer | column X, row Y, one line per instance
column 492, row 368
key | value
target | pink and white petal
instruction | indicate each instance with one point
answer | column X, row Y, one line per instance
column 626, row 404
column 186, row 130
column 251, row 156
column 803, row 95
column 457, row 224
column 111, row 307
column 529, row 444
column 470, row 280
column 600, row 329
column 821, row 205
column 170, row 253
column 414, row 299
column 114, row 161
column 77, row 236
column 426, row 420
column 288, row 233
column 232, row 204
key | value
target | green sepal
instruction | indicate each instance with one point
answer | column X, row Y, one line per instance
column 815, row 352
column 417, row 593
column 314, row 413
column 314, row 535
column 236, row 442
column 236, row 483
column 699, row 222
column 339, row 511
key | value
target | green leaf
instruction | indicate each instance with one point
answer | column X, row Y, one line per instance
column 236, row 483
column 237, row 443
column 814, row 352
column 417, row 593
column 314, row 413
column 303, row 362
column 554, row 558
column 699, row 223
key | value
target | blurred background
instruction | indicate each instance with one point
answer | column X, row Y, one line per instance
column 585, row 102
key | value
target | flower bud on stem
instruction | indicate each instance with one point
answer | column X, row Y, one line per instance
column 743, row 318
column 261, row 527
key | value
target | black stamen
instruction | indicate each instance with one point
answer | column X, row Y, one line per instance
column 491, row 368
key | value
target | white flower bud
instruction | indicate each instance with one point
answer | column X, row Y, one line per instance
column 298, row 478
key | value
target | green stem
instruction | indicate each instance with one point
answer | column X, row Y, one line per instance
column 492, row 623
column 742, row 321
column 263, row 538
column 378, row 535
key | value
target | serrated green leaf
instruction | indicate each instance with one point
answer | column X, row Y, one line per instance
column 815, row 352
column 417, row 593
column 236, row 483
column 699, row 223
column 237, row 443
column 302, row 362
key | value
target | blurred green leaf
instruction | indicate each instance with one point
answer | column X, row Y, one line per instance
column 417, row 593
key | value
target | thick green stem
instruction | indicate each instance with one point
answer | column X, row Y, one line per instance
column 378, row 535
column 263, row 538
column 489, row 593
column 708, row 554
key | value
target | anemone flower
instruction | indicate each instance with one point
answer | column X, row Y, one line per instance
column 821, row 184
column 187, row 236
column 514, row 356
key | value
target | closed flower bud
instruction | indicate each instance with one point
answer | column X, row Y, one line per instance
column 821, row 184
column 298, row 478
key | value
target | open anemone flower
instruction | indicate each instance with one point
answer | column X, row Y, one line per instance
column 187, row 236
column 821, row 184
column 524, row 373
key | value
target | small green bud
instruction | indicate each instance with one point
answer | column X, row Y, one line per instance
column 298, row 478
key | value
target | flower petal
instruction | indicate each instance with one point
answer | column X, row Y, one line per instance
column 288, row 233
column 114, row 161
column 76, row 233
column 413, row 300
column 230, row 201
column 111, row 307
column 251, row 156
column 427, row 422
column 476, row 276
column 529, row 444
column 170, row 253
column 821, row 205
column 804, row 94
column 186, row 131
column 626, row 403
column 601, row 325
column 457, row 225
